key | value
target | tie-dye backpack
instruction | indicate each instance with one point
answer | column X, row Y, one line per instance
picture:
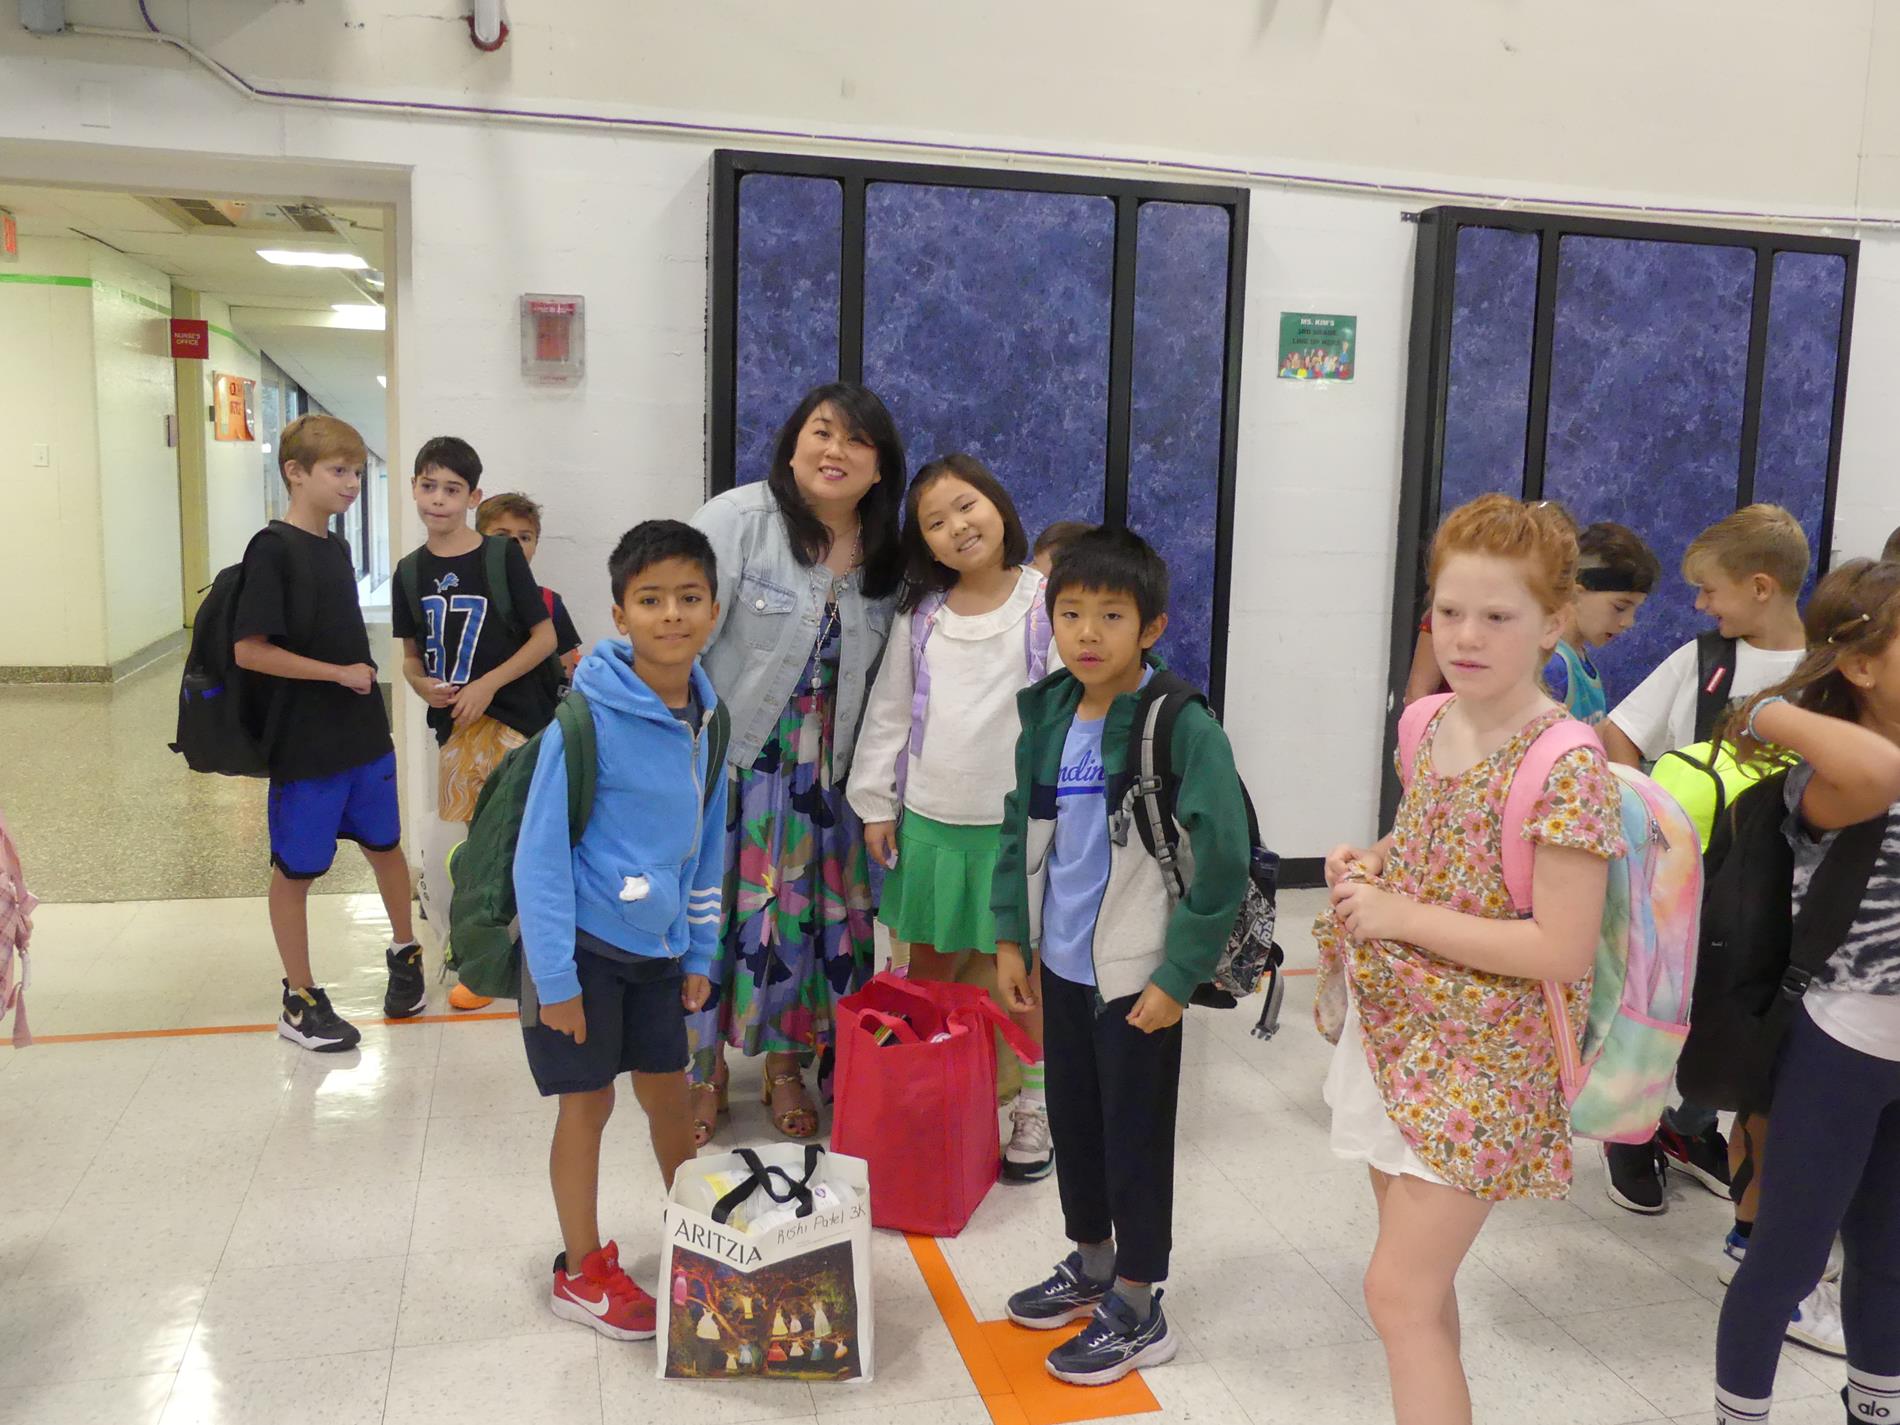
column 1617, row 1078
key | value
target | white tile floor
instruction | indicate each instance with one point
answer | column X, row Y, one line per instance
column 226, row 1229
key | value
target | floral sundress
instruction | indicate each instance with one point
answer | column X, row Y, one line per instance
column 1465, row 1060
column 798, row 902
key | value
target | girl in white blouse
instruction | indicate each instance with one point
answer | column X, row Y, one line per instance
column 936, row 753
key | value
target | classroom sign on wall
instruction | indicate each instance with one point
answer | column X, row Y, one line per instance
column 233, row 409
column 1315, row 346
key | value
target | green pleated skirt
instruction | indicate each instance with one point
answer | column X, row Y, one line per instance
column 939, row 893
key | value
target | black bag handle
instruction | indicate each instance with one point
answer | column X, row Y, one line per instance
column 779, row 1185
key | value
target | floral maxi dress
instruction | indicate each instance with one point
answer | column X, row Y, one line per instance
column 1465, row 1060
column 798, row 905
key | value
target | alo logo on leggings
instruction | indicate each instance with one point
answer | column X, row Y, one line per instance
column 1873, row 1410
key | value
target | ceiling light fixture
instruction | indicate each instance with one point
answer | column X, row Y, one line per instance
column 283, row 257
column 382, row 380
column 358, row 316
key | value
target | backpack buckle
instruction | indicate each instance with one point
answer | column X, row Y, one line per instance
column 1795, row 981
column 1148, row 787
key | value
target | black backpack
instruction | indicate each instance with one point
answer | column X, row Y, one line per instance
column 226, row 715
column 1757, row 958
column 1715, row 681
column 1251, row 954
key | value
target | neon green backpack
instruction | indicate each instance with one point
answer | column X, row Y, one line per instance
column 1704, row 778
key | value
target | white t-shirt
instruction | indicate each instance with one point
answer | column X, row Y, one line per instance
column 978, row 664
column 1660, row 715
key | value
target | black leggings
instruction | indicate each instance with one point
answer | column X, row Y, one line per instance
column 1834, row 1166
column 1112, row 1098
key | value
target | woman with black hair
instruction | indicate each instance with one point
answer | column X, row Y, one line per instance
column 809, row 572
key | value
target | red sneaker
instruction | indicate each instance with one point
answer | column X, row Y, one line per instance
column 602, row 1296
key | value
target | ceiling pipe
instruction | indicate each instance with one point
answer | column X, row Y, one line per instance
column 487, row 25
column 966, row 150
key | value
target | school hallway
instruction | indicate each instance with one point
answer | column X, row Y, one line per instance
column 106, row 811
column 212, row 1226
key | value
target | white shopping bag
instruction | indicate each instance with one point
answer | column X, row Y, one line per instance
column 788, row 1298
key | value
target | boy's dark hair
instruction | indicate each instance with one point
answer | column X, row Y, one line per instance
column 863, row 415
column 1612, row 558
column 453, row 454
column 1891, row 554
column 650, row 541
column 923, row 574
column 1059, row 534
column 512, row 503
column 1113, row 561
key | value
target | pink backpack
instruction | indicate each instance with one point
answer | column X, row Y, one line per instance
column 923, row 619
column 1616, row 1076
column 16, row 905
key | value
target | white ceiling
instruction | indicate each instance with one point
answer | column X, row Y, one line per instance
column 283, row 311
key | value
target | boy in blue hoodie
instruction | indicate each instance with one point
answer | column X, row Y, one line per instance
column 618, row 930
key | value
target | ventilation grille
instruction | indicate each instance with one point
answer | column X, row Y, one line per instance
column 229, row 215
column 202, row 212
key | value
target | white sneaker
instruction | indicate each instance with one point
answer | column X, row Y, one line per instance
column 1817, row 1322
column 1735, row 1247
column 1030, row 1153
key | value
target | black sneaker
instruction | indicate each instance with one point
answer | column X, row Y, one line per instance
column 309, row 1021
column 1114, row 1343
column 1635, row 1180
column 1066, row 1296
column 1704, row 1158
column 408, row 994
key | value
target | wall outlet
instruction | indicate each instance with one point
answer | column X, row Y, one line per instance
column 42, row 456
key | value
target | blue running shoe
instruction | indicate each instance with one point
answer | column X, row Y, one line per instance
column 1066, row 1296
column 1114, row 1343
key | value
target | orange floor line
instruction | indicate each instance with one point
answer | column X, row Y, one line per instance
column 105, row 1036
column 1005, row 1361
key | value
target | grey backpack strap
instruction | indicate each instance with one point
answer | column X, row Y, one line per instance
column 1148, row 789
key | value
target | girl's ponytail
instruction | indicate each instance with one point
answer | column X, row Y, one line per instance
column 1855, row 610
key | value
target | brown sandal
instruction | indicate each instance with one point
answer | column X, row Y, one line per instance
column 720, row 1087
column 802, row 1115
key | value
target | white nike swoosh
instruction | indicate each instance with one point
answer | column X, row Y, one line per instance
column 606, row 1305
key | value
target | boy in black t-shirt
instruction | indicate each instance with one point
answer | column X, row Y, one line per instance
column 332, row 764
column 515, row 516
column 474, row 652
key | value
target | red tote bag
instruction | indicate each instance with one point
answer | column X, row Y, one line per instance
column 922, row 1114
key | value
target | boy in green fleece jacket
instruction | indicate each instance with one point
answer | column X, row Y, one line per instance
column 1118, row 957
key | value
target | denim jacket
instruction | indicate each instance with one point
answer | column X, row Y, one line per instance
column 770, row 607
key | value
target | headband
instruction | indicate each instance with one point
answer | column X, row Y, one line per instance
column 1608, row 581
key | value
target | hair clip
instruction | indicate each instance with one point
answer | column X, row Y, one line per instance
column 1851, row 626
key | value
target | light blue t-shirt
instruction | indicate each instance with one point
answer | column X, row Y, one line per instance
column 1078, row 860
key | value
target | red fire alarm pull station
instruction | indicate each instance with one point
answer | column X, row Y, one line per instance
column 191, row 339
column 9, row 237
column 553, row 337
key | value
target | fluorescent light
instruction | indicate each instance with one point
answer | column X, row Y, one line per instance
column 382, row 380
column 359, row 316
column 349, row 261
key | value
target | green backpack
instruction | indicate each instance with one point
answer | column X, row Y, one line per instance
column 1704, row 779
column 484, row 927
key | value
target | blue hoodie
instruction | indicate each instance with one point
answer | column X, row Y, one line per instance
column 646, row 875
